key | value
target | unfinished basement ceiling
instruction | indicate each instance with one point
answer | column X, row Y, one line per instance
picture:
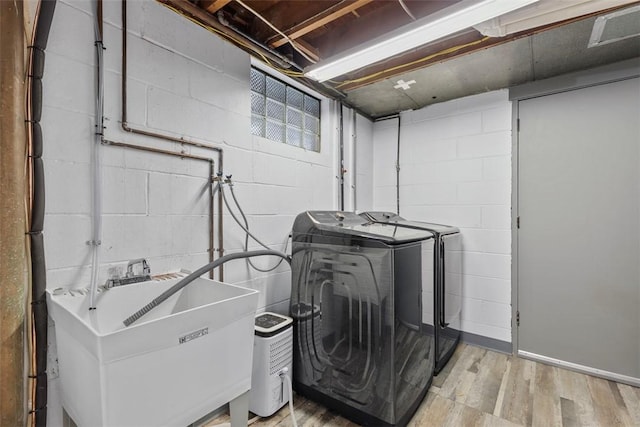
column 464, row 64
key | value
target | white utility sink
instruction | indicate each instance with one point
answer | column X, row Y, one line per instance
column 187, row 357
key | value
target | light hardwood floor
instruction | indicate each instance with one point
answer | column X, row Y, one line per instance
column 479, row 387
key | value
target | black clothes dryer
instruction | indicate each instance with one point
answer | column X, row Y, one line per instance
column 447, row 292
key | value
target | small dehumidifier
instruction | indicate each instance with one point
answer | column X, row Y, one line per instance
column 272, row 352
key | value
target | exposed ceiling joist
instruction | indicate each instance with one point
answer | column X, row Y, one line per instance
column 308, row 26
column 308, row 49
column 214, row 5
column 200, row 15
column 462, row 64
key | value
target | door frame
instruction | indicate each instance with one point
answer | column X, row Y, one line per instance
column 619, row 71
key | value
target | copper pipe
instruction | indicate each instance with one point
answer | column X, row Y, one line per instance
column 187, row 156
column 127, row 128
column 124, row 122
column 155, row 150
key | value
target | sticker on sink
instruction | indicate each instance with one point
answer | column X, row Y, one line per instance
column 193, row 335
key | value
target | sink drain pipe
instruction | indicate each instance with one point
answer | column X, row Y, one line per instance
column 193, row 276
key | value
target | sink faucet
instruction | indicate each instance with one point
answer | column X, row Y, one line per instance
column 131, row 276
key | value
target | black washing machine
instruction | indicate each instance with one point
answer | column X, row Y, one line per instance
column 362, row 344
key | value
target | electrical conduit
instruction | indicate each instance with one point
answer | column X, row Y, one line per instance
column 95, row 242
column 44, row 18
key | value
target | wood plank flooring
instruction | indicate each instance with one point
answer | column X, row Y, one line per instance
column 479, row 387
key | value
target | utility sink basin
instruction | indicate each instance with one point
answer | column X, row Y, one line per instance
column 187, row 357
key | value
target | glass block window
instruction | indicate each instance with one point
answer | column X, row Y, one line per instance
column 282, row 113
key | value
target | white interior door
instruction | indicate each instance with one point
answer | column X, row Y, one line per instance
column 579, row 237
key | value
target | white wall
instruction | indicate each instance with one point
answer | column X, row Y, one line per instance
column 364, row 164
column 455, row 168
column 358, row 161
column 185, row 82
column 385, row 143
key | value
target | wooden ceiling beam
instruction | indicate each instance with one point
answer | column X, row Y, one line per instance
column 311, row 51
column 308, row 26
column 214, row 5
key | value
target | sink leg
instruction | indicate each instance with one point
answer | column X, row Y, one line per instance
column 239, row 410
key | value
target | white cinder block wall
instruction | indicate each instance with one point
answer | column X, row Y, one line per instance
column 185, row 82
column 385, row 143
column 455, row 168
column 363, row 164
column 358, row 161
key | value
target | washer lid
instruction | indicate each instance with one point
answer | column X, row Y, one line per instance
column 350, row 223
column 393, row 218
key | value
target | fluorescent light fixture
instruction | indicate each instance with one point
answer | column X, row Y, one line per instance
column 442, row 23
